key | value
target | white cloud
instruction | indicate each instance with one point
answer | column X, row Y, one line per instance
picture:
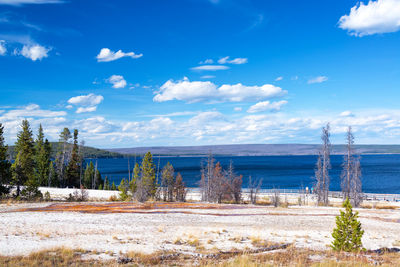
column 86, row 109
column 197, row 91
column 347, row 113
column 225, row 60
column 207, row 77
column 319, row 79
column 86, row 100
column 208, row 127
column 381, row 16
column 34, row 52
column 3, row 48
column 207, row 61
column 69, row 106
column 107, row 55
column 210, row 67
column 86, row 103
column 32, row 110
column 266, row 105
column 280, row 78
column 23, row 2
column 117, row 81
column 237, row 109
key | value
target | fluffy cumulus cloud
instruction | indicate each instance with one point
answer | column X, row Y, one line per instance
column 3, row 48
column 117, row 81
column 107, row 55
column 24, row 2
column 34, row 52
column 381, row 16
column 238, row 61
column 318, row 79
column 210, row 68
column 85, row 103
column 198, row 91
column 267, row 106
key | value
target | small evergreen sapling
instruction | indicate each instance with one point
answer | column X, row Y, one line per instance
column 348, row 233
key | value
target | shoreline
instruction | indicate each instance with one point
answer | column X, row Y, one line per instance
column 195, row 195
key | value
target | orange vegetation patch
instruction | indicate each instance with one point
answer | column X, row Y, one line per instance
column 126, row 207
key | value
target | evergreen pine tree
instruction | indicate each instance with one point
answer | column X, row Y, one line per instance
column 135, row 179
column 24, row 164
column 348, row 233
column 106, row 184
column 88, row 175
column 52, row 179
column 168, row 181
column 73, row 169
column 123, row 189
column 62, row 157
column 99, row 180
column 113, row 187
column 148, row 179
column 5, row 165
column 42, row 157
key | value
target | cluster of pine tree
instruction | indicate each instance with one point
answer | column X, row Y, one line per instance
column 143, row 184
column 34, row 167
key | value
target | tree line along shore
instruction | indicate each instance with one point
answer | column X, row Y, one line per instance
column 41, row 163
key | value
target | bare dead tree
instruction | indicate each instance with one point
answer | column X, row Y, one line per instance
column 254, row 188
column 322, row 168
column 180, row 189
column 347, row 165
column 233, row 190
column 356, row 185
column 207, row 174
column 351, row 173
column 276, row 198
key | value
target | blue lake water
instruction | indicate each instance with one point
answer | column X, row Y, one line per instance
column 381, row 173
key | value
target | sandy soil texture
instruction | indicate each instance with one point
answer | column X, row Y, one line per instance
column 114, row 228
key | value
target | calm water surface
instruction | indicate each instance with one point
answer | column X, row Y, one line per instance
column 381, row 173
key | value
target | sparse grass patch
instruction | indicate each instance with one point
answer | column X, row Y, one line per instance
column 396, row 243
column 48, row 258
column 259, row 242
column 178, row 241
column 264, row 201
column 194, row 242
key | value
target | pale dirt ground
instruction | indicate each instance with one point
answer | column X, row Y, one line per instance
column 222, row 229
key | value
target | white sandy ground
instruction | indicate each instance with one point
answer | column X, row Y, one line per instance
column 116, row 233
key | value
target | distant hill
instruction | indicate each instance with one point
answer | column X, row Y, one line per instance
column 255, row 150
column 89, row 152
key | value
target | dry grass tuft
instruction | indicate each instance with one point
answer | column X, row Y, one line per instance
column 259, row 242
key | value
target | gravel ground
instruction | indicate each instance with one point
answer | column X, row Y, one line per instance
column 184, row 229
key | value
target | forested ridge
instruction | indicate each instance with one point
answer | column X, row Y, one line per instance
column 88, row 152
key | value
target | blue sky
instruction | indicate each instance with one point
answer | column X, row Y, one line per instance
column 195, row 72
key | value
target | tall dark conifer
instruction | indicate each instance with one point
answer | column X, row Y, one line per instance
column 42, row 157
column 73, row 170
column 148, row 173
column 24, row 165
column 5, row 165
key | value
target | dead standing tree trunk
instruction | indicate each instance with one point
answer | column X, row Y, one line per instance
column 351, row 173
column 348, row 163
column 322, row 168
